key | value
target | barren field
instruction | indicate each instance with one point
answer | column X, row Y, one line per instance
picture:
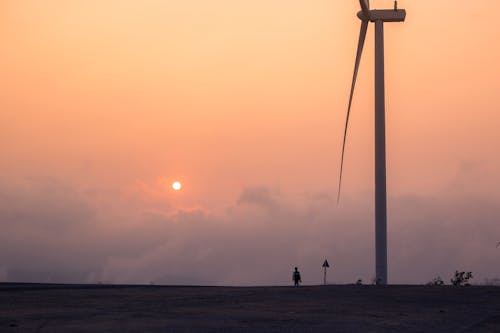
column 335, row 308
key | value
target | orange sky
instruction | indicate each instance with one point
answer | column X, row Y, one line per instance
column 120, row 98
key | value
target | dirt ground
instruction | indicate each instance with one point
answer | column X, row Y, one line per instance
column 336, row 308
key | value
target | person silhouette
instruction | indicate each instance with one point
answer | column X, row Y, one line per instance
column 296, row 277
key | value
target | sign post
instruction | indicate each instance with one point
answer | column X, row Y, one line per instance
column 325, row 266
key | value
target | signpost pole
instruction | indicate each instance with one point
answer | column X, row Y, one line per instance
column 325, row 266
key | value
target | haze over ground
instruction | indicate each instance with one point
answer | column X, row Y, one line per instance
column 103, row 104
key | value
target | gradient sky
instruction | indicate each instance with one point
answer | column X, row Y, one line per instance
column 103, row 104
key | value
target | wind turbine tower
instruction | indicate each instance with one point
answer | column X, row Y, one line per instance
column 379, row 17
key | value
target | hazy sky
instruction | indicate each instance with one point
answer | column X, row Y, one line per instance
column 104, row 103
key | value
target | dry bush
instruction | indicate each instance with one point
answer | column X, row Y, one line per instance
column 461, row 279
column 436, row 282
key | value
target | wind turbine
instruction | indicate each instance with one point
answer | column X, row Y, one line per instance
column 378, row 17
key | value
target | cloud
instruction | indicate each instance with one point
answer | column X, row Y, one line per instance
column 54, row 232
column 259, row 196
column 44, row 205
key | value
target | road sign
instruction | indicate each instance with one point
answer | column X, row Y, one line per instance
column 325, row 266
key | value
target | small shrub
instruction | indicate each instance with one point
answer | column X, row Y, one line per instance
column 461, row 279
column 359, row 282
column 436, row 282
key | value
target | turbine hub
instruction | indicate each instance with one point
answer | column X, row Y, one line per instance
column 362, row 16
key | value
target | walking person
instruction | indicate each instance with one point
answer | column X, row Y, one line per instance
column 296, row 277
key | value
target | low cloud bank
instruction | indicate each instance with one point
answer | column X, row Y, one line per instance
column 54, row 232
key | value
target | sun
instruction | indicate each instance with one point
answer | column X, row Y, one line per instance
column 176, row 186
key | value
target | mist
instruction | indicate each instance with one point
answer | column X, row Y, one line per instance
column 53, row 232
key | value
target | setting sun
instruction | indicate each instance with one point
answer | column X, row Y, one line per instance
column 176, row 186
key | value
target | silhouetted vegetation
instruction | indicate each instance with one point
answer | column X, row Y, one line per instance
column 436, row 282
column 461, row 278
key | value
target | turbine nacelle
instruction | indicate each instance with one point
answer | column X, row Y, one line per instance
column 385, row 15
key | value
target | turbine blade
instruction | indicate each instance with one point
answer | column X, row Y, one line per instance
column 361, row 43
column 365, row 6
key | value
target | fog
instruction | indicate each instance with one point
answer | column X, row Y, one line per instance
column 53, row 232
